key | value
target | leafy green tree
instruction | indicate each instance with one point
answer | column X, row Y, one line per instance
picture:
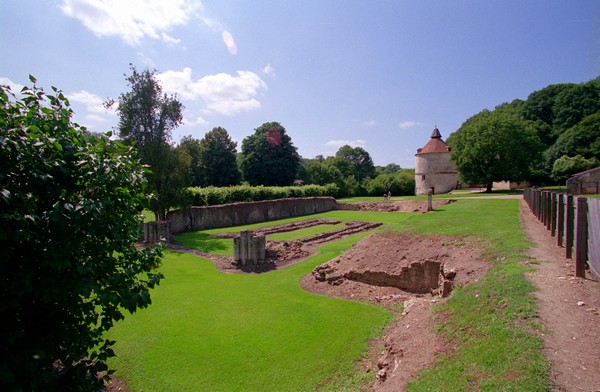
column 146, row 119
column 69, row 218
column 400, row 183
column 192, row 147
column 268, row 157
column 565, row 166
column 217, row 164
column 320, row 173
column 582, row 139
column 495, row 146
column 355, row 161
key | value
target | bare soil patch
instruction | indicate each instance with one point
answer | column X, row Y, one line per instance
column 409, row 343
column 399, row 205
column 569, row 307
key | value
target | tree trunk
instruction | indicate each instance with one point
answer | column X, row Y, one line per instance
column 489, row 187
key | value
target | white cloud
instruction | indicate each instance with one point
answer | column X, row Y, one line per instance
column 268, row 70
column 229, row 42
column 222, row 93
column 341, row 143
column 409, row 124
column 132, row 20
column 197, row 121
column 14, row 87
column 91, row 102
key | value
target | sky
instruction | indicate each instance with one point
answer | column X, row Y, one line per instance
column 378, row 74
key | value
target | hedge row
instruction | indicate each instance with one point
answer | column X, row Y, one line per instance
column 215, row 195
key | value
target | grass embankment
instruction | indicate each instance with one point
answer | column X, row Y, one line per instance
column 207, row 330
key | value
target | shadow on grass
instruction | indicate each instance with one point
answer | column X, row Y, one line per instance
column 203, row 242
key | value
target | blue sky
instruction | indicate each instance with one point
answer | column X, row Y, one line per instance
column 379, row 74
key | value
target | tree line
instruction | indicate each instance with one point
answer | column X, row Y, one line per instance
column 267, row 157
column 544, row 139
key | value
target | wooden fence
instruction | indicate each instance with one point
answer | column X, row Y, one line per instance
column 574, row 221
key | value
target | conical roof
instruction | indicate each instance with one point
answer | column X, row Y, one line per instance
column 435, row 144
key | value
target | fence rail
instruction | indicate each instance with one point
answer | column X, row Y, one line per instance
column 574, row 221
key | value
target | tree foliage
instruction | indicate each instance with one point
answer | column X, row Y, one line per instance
column 495, row 146
column 565, row 166
column 355, row 161
column 146, row 119
column 217, row 165
column 69, row 219
column 268, row 156
column 582, row 139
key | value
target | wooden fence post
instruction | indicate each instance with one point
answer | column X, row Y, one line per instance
column 581, row 254
column 570, row 226
column 553, row 215
column 561, row 219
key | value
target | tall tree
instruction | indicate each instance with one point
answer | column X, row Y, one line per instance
column 355, row 161
column 146, row 118
column 217, row 164
column 268, row 156
column 70, row 215
column 192, row 147
column 495, row 146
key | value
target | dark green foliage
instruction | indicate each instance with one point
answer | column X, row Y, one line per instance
column 495, row 146
column 558, row 107
column 268, row 157
column 69, row 218
column 355, row 161
column 213, row 195
column 146, row 119
column 217, row 164
column 582, row 139
column 319, row 173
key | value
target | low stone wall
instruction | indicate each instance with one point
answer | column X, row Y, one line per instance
column 236, row 214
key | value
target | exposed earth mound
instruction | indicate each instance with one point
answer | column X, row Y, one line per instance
column 398, row 205
column 383, row 269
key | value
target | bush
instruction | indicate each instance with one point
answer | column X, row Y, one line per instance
column 69, row 219
column 213, row 196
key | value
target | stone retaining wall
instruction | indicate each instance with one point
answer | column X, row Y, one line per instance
column 236, row 214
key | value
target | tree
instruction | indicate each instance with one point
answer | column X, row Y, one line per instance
column 320, row 173
column 495, row 146
column 582, row 139
column 69, row 218
column 355, row 161
column 268, row 156
column 192, row 147
column 217, row 164
column 564, row 167
column 146, row 119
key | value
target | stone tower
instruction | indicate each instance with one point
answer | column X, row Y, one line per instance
column 433, row 168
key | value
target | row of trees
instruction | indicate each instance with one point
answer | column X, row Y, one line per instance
column 544, row 139
column 267, row 157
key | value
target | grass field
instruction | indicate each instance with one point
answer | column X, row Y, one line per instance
column 210, row 331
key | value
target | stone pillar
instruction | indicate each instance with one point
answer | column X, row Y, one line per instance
column 249, row 249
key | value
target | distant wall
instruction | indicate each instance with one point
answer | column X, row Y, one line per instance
column 236, row 214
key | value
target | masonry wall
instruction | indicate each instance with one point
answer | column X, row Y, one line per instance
column 236, row 214
column 435, row 170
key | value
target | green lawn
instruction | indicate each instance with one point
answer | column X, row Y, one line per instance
column 210, row 331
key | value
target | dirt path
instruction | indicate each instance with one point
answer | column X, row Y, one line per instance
column 569, row 308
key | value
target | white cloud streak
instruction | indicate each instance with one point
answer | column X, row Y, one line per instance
column 14, row 87
column 409, row 124
column 132, row 20
column 341, row 143
column 222, row 93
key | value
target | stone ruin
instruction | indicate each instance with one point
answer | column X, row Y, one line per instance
column 424, row 276
column 249, row 249
column 156, row 232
